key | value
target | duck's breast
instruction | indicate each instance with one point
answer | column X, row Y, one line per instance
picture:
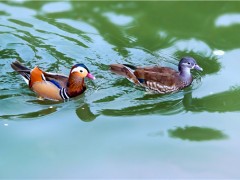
column 47, row 90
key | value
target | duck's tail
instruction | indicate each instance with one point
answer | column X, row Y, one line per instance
column 22, row 70
column 125, row 70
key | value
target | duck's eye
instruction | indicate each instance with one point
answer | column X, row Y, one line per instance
column 81, row 71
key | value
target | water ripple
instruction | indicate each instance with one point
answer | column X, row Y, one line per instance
column 46, row 38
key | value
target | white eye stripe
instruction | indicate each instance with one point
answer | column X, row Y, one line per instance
column 78, row 69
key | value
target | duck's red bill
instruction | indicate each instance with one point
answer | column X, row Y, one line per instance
column 90, row 76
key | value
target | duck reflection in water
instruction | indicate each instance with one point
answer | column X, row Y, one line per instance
column 85, row 114
column 195, row 133
column 222, row 102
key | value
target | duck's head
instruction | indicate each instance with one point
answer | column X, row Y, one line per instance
column 81, row 71
column 188, row 63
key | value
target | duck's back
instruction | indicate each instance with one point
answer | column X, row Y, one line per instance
column 158, row 69
column 160, row 79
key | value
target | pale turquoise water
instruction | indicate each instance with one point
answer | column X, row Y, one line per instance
column 116, row 130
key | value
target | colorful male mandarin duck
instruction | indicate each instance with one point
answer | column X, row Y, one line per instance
column 159, row 79
column 54, row 86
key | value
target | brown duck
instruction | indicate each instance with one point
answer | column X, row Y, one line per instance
column 54, row 86
column 159, row 79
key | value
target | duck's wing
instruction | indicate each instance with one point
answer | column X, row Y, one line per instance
column 157, row 69
column 161, row 82
column 167, row 79
column 126, row 71
column 59, row 80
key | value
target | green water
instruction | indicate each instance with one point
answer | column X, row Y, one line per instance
column 116, row 130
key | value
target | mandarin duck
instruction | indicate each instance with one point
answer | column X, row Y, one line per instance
column 159, row 79
column 54, row 86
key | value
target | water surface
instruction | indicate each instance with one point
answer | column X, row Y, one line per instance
column 117, row 130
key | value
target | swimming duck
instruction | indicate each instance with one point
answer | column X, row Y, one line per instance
column 54, row 86
column 159, row 79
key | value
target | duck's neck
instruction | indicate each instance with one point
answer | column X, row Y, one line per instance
column 186, row 75
column 75, row 85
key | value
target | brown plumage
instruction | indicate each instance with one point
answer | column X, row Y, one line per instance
column 159, row 79
column 54, row 86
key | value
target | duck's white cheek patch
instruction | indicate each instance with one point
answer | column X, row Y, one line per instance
column 78, row 69
column 81, row 71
